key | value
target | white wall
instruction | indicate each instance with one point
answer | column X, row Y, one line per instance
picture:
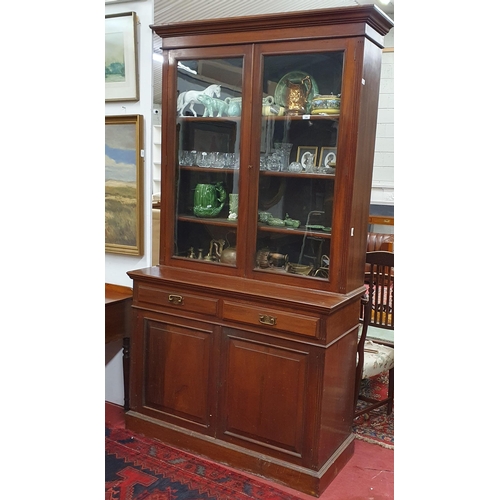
column 383, row 167
column 116, row 266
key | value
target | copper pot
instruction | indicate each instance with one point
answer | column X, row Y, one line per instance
column 228, row 256
column 277, row 259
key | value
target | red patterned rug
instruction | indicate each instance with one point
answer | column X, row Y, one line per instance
column 378, row 428
column 139, row 468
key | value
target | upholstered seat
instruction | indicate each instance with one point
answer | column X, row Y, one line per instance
column 378, row 358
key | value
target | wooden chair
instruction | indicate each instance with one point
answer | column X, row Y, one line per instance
column 375, row 356
column 379, row 282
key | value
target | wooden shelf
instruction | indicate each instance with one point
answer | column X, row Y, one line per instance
column 302, row 175
column 292, row 230
column 196, row 168
column 213, row 221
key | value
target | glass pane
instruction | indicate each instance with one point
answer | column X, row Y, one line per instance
column 300, row 117
column 208, row 145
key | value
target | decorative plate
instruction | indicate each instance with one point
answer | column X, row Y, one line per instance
column 295, row 77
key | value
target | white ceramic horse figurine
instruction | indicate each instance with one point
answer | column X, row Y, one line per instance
column 190, row 98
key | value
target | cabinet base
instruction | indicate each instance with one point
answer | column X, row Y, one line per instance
column 291, row 475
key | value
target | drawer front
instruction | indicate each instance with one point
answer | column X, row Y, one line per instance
column 270, row 318
column 176, row 300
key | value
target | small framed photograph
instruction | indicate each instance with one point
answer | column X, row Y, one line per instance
column 328, row 157
column 121, row 74
column 303, row 152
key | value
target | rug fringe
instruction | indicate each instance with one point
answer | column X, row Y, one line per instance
column 374, row 441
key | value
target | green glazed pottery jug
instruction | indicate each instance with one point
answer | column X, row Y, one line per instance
column 209, row 199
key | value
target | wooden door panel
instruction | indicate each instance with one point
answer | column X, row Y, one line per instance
column 177, row 369
column 265, row 394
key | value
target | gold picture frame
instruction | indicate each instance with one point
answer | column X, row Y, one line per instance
column 120, row 66
column 124, row 167
column 304, row 150
column 328, row 157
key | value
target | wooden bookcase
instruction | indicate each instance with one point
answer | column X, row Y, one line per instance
column 244, row 341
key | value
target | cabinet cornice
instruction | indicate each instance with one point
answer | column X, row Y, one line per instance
column 370, row 15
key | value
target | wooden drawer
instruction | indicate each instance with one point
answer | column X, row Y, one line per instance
column 270, row 318
column 173, row 299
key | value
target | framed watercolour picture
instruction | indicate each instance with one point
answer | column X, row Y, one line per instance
column 120, row 66
column 124, row 184
column 307, row 156
column 328, row 157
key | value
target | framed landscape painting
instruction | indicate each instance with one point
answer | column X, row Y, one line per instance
column 124, row 184
column 120, row 66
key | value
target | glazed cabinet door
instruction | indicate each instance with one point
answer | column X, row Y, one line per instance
column 297, row 136
column 206, row 156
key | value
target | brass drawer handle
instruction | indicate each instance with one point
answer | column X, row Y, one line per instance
column 176, row 299
column 267, row 320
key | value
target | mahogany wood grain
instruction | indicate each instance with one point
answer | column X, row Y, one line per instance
column 172, row 385
column 285, row 396
column 118, row 303
column 256, row 368
column 266, row 386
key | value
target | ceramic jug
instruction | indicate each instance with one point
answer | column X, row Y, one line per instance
column 209, row 199
column 235, row 103
column 233, row 106
column 297, row 95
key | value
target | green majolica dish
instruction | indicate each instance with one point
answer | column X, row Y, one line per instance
column 264, row 216
column 275, row 222
column 291, row 222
